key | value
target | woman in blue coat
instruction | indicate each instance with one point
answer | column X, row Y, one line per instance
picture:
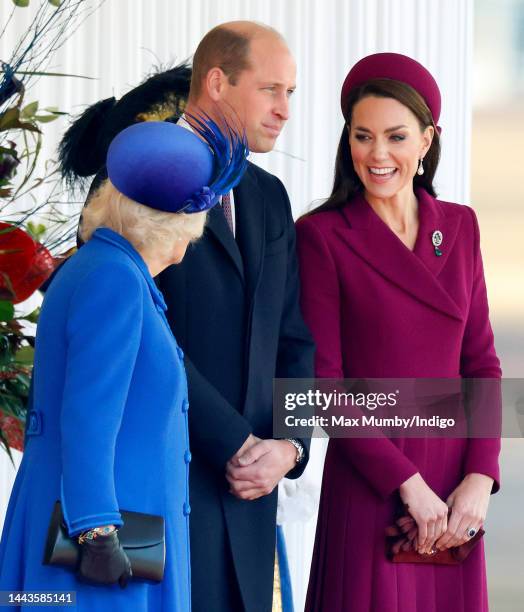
column 108, row 428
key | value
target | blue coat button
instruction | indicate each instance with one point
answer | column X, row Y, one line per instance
column 185, row 406
column 34, row 423
column 187, row 457
column 187, row 509
column 180, row 352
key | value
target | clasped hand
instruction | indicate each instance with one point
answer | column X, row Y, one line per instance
column 469, row 506
column 468, row 503
column 258, row 466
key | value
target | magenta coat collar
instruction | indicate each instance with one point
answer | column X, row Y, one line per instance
column 415, row 272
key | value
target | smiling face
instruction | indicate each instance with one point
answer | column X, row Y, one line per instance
column 386, row 143
column 260, row 96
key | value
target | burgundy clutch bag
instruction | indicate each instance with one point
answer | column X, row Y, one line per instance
column 401, row 541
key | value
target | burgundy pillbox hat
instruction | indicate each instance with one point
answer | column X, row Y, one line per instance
column 397, row 67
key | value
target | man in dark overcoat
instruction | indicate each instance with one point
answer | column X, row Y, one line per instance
column 233, row 305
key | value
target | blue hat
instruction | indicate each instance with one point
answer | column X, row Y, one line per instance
column 170, row 168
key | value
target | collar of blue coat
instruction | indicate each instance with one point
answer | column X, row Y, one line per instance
column 108, row 235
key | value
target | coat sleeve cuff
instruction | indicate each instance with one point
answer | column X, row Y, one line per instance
column 482, row 458
column 219, row 450
column 77, row 526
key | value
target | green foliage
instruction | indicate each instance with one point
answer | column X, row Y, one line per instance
column 25, row 355
column 28, row 111
column 16, row 350
column 16, row 359
column 36, row 230
column 7, row 311
column 14, row 392
column 24, row 3
column 22, row 123
column 14, row 395
column 20, row 146
column 12, row 119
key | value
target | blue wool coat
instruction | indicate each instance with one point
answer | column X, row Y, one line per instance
column 108, row 429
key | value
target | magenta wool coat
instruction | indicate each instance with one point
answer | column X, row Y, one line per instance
column 379, row 310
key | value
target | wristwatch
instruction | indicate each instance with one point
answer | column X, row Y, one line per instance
column 300, row 449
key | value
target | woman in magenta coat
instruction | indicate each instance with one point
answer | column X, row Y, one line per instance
column 393, row 287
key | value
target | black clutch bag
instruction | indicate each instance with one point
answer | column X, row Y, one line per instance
column 142, row 536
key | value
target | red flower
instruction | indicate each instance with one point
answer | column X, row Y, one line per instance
column 24, row 263
column 13, row 431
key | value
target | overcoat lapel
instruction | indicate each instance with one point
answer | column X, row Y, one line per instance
column 432, row 218
column 416, row 272
column 250, row 215
column 217, row 225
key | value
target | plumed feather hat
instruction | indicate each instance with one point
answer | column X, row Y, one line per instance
column 83, row 148
column 171, row 168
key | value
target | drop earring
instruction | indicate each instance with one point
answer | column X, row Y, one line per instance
column 420, row 169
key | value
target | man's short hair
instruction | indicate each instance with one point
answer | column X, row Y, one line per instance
column 222, row 48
